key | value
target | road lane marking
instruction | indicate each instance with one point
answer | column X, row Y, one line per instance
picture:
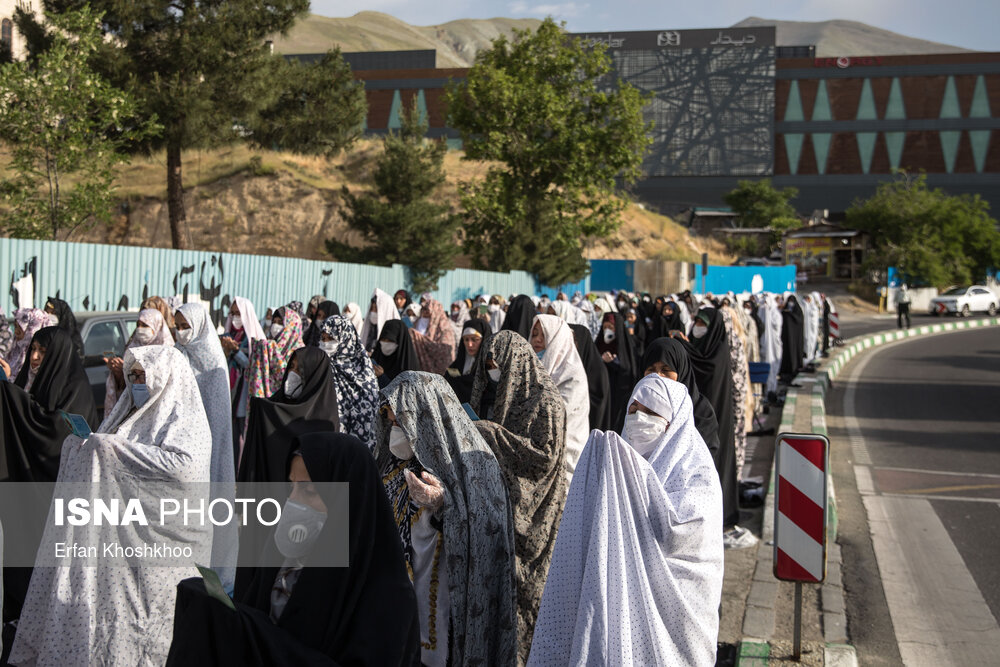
column 966, row 499
column 940, row 472
column 938, row 613
column 948, row 489
column 863, row 478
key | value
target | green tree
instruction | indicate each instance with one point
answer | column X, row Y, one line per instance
column 398, row 221
column 927, row 234
column 66, row 128
column 318, row 111
column 759, row 203
column 564, row 131
column 203, row 68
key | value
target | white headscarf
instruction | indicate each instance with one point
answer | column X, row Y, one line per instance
column 562, row 361
column 352, row 311
column 153, row 319
column 386, row 310
column 636, row 574
column 770, row 343
column 211, row 372
column 123, row 614
column 251, row 323
column 569, row 313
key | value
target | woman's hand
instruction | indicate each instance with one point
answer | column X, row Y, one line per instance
column 229, row 345
column 379, row 371
column 6, row 368
column 607, row 357
column 428, row 493
column 674, row 333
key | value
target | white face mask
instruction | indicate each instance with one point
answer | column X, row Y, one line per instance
column 373, row 317
column 388, row 347
column 53, row 320
column 609, row 335
column 328, row 346
column 643, row 431
column 276, row 330
column 293, row 385
column 399, row 444
column 494, row 308
column 699, row 330
column 237, row 322
column 494, row 374
column 455, row 314
column 184, row 336
column 143, row 335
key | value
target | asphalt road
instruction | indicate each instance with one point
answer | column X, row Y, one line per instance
column 915, row 431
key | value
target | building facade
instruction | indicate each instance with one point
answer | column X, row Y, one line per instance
column 728, row 104
column 10, row 38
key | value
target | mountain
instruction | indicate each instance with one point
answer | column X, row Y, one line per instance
column 847, row 38
column 456, row 42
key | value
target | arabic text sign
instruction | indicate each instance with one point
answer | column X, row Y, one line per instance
column 682, row 39
column 802, row 466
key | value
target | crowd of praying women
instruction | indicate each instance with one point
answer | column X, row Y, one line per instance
column 532, row 480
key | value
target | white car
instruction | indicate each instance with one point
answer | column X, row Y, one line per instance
column 961, row 301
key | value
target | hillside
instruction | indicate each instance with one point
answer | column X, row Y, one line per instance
column 847, row 38
column 456, row 42
column 275, row 203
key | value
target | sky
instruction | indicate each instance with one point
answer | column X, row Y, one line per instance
column 971, row 24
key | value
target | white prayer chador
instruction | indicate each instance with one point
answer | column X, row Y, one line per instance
column 810, row 326
column 562, row 361
column 211, row 372
column 636, row 575
column 385, row 311
column 86, row 613
column 770, row 343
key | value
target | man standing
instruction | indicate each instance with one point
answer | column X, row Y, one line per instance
column 903, row 306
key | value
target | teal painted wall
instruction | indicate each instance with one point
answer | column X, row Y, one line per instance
column 104, row 277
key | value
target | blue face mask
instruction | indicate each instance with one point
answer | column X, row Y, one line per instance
column 140, row 394
column 540, row 353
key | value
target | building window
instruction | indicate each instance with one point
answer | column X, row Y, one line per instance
column 7, row 36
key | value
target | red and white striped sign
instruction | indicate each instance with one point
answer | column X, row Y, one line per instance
column 800, row 507
column 834, row 324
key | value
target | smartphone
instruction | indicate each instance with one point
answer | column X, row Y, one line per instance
column 469, row 411
column 484, row 309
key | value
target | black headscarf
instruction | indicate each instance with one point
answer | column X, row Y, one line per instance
column 315, row 331
column 67, row 322
column 674, row 356
column 597, row 377
column 664, row 324
column 711, row 363
column 623, row 371
column 274, row 423
column 462, row 384
column 792, row 338
column 756, row 317
column 33, row 431
column 364, row 614
column 520, row 316
column 403, row 359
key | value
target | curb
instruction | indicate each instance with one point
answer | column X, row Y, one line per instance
column 758, row 621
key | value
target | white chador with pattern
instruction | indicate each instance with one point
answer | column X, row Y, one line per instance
column 87, row 613
column 562, row 361
column 636, row 575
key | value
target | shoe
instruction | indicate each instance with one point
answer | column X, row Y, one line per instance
column 738, row 538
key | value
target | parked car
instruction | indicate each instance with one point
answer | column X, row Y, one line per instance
column 961, row 301
column 104, row 334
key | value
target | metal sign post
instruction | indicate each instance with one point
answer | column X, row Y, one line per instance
column 800, row 514
column 704, row 270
